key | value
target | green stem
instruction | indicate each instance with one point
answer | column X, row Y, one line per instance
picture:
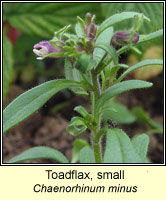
column 96, row 121
column 96, row 86
column 97, row 152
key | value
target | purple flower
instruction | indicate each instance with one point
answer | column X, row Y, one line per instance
column 44, row 48
column 123, row 38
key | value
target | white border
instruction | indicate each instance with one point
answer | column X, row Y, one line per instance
column 103, row 164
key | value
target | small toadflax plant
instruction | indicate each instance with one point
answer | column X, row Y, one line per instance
column 91, row 66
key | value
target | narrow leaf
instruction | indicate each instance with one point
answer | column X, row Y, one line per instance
column 40, row 152
column 116, row 19
column 120, row 88
column 149, row 37
column 87, row 155
column 110, row 50
column 121, row 66
column 82, row 111
column 119, row 148
column 139, row 65
column 79, row 31
column 104, row 38
column 30, row 101
column 141, row 143
column 148, row 9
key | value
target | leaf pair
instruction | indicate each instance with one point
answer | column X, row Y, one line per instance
column 119, row 149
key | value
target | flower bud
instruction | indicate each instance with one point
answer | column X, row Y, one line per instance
column 124, row 38
column 88, row 18
column 91, row 31
column 44, row 48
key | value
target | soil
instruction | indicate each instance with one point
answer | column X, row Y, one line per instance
column 45, row 128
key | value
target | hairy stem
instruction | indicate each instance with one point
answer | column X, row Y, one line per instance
column 97, row 153
column 96, row 121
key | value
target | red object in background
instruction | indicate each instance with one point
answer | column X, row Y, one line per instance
column 12, row 33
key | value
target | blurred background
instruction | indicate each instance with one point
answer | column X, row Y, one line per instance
column 25, row 24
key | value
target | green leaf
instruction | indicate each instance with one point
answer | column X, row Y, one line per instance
column 73, row 74
column 7, row 65
column 79, row 31
column 30, row 101
column 142, row 116
column 110, row 50
column 119, row 148
column 87, row 155
column 82, row 111
column 149, row 37
column 121, row 116
column 61, row 31
column 81, row 22
column 118, row 89
column 153, row 10
column 121, row 66
column 43, row 19
column 141, row 143
column 77, row 126
column 116, row 19
column 82, row 62
column 40, row 152
column 78, row 145
column 98, row 54
column 112, row 71
column 139, row 65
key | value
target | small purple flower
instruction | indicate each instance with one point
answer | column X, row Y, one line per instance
column 123, row 38
column 44, row 48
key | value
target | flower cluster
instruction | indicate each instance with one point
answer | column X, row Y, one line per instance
column 65, row 44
